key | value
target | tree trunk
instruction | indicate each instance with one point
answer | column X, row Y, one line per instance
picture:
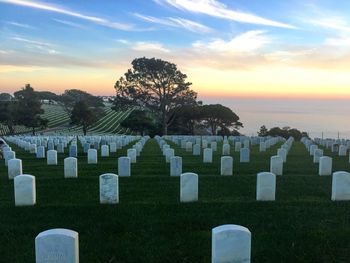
column 165, row 125
column 84, row 129
column 33, row 131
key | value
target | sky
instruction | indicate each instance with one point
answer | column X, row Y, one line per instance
column 277, row 51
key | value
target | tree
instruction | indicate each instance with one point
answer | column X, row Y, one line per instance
column 186, row 120
column 263, row 131
column 29, row 109
column 84, row 115
column 218, row 116
column 70, row 97
column 287, row 132
column 5, row 97
column 139, row 121
column 9, row 114
column 156, row 85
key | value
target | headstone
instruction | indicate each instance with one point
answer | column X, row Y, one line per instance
column 40, row 152
column 175, row 166
column 325, row 166
column 33, row 148
column 73, row 151
column 207, row 155
column 341, row 186
column 276, row 165
column 50, row 146
column 214, row 146
column 24, row 188
column 168, row 154
column 131, row 153
column 188, row 146
column 52, row 157
column 188, row 187
column 14, row 168
column 92, row 156
column 86, row 147
column 265, row 186
column 57, row 246
column 283, row 154
column 317, row 155
column 230, row 244
column 238, row 146
column 70, row 167
column 9, row 155
column 226, row 149
column 109, row 189
column 226, row 165
column 124, row 168
column 113, row 147
column 343, row 150
column 196, row 150
column 244, row 155
column 104, row 151
column 246, row 144
column 204, row 144
column 60, row 148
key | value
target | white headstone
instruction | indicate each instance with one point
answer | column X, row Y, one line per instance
column 196, row 150
column 113, row 147
column 57, row 246
column 168, row 154
column 131, row 153
column 14, row 168
column 92, row 156
column 325, row 166
column 104, row 151
column 40, row 152
column 283, row 154
column 343, row 150
column 8, row 155
column 188, row 146
column 207, row 155
column 226, row 149
column 124, row 166
column 317, row 155
column 231, row 244
column 265, row 186
column 276, row 165
column 109, row 189
column 214, row 146
column 238, row 146
column 188, row 187
column 341, row 186
column 70, row 167
column 175, row 166
column 52, row 157
column 226, row 165
column 262, row 147
column 244, row 155
column 25, row 191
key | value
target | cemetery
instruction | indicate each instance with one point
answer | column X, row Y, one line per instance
column 124, row 198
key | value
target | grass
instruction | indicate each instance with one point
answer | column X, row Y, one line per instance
column 150, row 225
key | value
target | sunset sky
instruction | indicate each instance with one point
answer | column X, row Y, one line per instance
column 271, row 48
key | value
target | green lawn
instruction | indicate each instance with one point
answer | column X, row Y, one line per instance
column 150, row 225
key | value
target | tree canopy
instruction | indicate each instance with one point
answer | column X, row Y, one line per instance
column 156, row 85
column 29, row 108
column 139, row 121
column 284, row 132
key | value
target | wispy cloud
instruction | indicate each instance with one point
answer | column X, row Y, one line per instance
column 12, row 23
column 150, row 46
column 65, row 11
column 246, row 42
column 69, row 23
column 216, row 9
column 34, row 42
column 176, row 22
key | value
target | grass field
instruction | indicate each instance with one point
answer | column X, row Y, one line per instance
column 150, row 225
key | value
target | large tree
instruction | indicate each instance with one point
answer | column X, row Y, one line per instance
column 70, row 97
column 218, row 116
column 157, row 85
column 5, row 97
column 29, row 108
column 84, row 115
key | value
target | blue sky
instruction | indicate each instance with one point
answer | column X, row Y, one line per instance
column 252, row 47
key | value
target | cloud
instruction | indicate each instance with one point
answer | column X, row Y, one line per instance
column 61, row 10
column 150, row 46
column 12, row 23
column 247, row 42
column 69, row 23
column 176, row 22
column 34, row 42
column 217, row 9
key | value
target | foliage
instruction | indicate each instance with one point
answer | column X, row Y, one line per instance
column 156, row 85
column 218, row 116
column 29, row 108
column 285, row 132
column 47, row 95
column 84, row 115
column 70, row 97
column 5, row 97
column 139, row 121
column 186, row 120
column 9, row 114
column 263, row 132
